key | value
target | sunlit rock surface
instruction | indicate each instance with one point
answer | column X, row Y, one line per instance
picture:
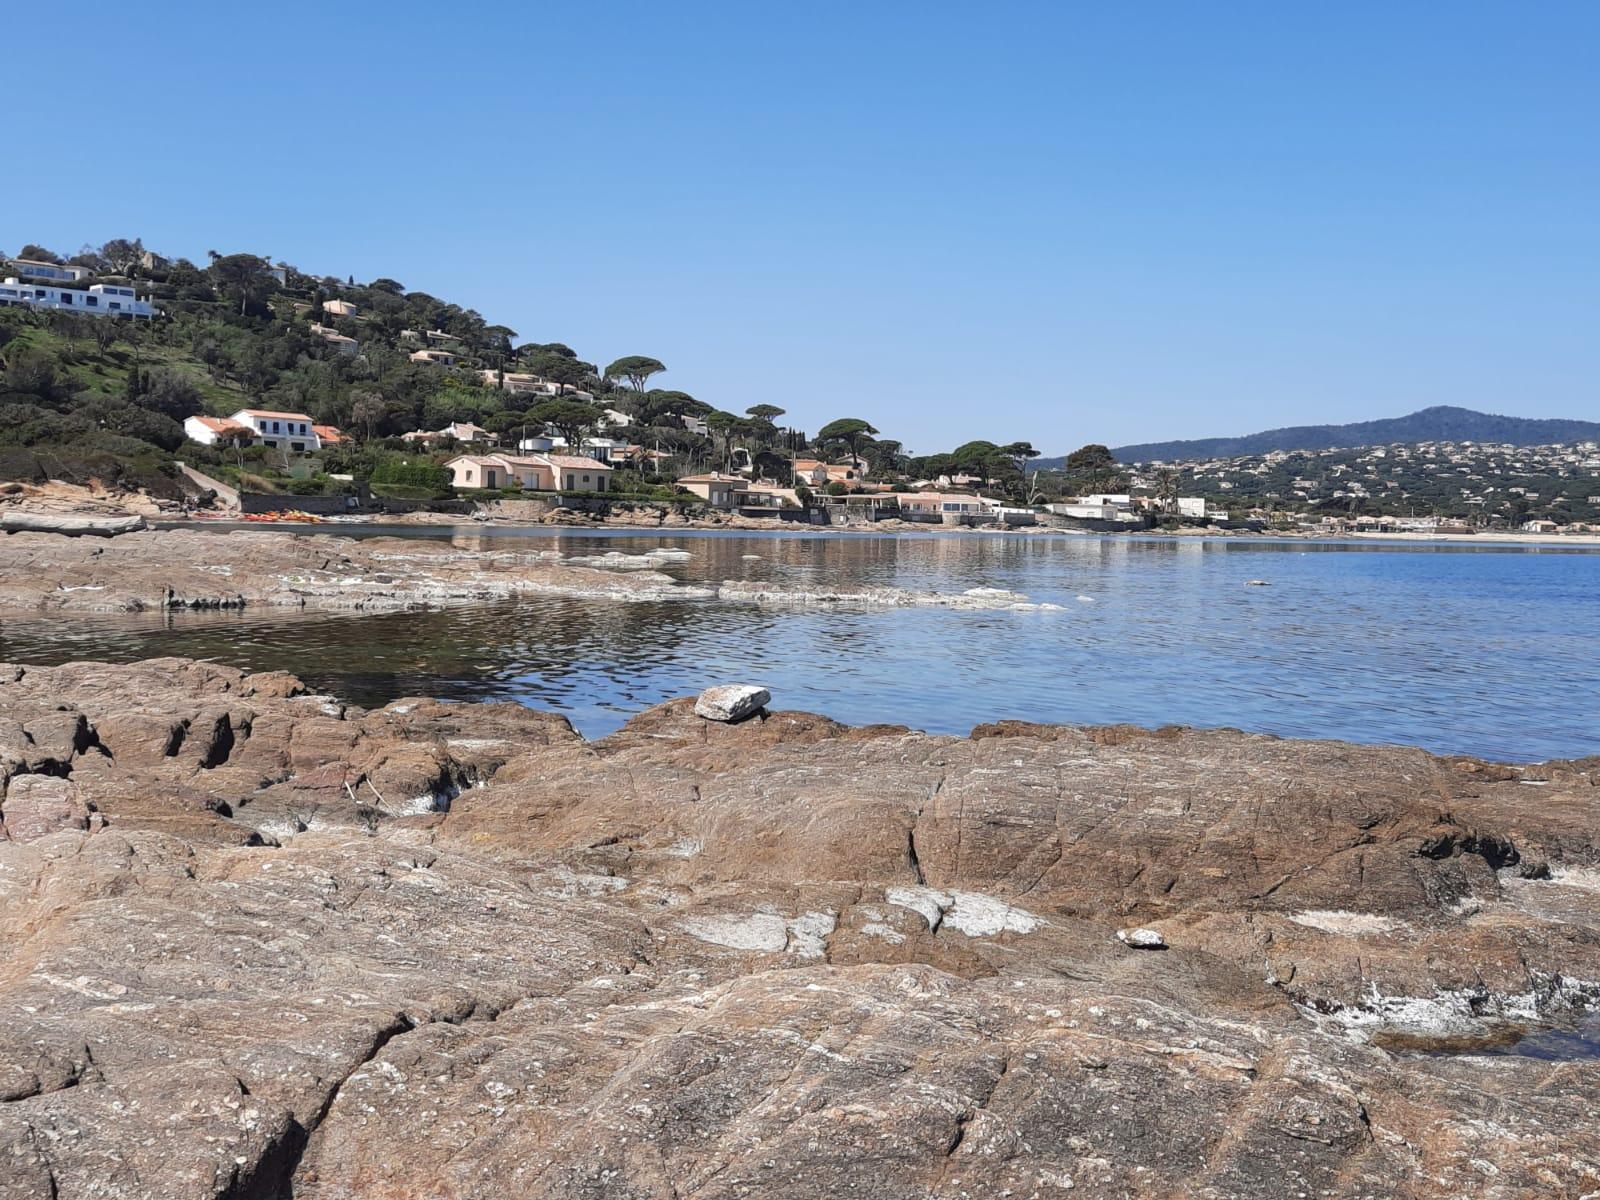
column 257, row 943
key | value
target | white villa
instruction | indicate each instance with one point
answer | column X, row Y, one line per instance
column 1101, row 506
column 99, row 300
column 536, row 472
column 263, row 427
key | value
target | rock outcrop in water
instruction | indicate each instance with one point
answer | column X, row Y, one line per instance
column 257, row 943
column 179, row 568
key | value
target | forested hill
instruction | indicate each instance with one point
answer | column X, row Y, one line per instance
column 1442, row 423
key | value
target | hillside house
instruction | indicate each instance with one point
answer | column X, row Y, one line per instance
column 98, row 300
column 441, row 358
column 348, row 346
column 461, row 431
column 33, row 268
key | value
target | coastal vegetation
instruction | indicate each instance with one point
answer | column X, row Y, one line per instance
column 94, row 398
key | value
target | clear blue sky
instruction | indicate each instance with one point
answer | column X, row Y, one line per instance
column 1062, row 222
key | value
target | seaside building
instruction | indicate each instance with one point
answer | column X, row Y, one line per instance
column 535, row 472
column 942, row 503
column 735, row 491
column 1099, row 506
column 262, row 427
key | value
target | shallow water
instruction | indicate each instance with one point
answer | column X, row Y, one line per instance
column 1488, row 650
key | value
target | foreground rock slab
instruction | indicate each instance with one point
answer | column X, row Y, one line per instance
column 258, row 943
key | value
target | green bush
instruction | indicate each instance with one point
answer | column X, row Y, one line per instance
column 412, row 475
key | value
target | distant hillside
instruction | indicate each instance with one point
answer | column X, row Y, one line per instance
column 1442, row 423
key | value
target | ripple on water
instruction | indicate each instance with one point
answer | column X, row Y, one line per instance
column 1459, row 649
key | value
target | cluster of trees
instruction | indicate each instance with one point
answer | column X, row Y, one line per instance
column 234, row 334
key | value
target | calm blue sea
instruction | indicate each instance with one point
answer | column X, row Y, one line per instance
column 1480, row 649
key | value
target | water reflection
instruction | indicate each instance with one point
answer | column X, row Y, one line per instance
column 1473, row 649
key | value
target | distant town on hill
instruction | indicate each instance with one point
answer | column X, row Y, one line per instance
column 1442, row 423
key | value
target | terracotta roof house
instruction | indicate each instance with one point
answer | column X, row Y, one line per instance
column 442, row 357
column 208, row 431
column 329, row 435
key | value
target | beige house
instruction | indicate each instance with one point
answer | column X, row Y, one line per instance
column 535, row 472
column 716, row 489
column 501, row 470
column 734, row 491
column 580, row 473
column 347, row 346
column 442, row 358
column 819, row 474
column 339, row 308
column 943, row 502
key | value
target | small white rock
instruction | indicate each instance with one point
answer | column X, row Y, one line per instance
column 1142, row 939
column 731, row 701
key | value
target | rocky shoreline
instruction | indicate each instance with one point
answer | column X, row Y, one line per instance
column 260, row 943
column 181, row 568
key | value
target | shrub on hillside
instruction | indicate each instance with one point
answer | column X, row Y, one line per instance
column 417, row 475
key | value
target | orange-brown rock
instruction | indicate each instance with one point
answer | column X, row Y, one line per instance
column 259, row 943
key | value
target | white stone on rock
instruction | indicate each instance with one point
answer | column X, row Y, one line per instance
column 1142, row 939
column 731, row 701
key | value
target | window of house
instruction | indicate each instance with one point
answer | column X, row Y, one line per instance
column 275, row 427
column 115, row 305
column 569, row 481
column 297, row 445
column 92, row 301
column 586, row 479
column 66, row 299
column 269, row 442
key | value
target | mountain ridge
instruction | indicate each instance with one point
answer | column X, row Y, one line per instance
column 1441, row 422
